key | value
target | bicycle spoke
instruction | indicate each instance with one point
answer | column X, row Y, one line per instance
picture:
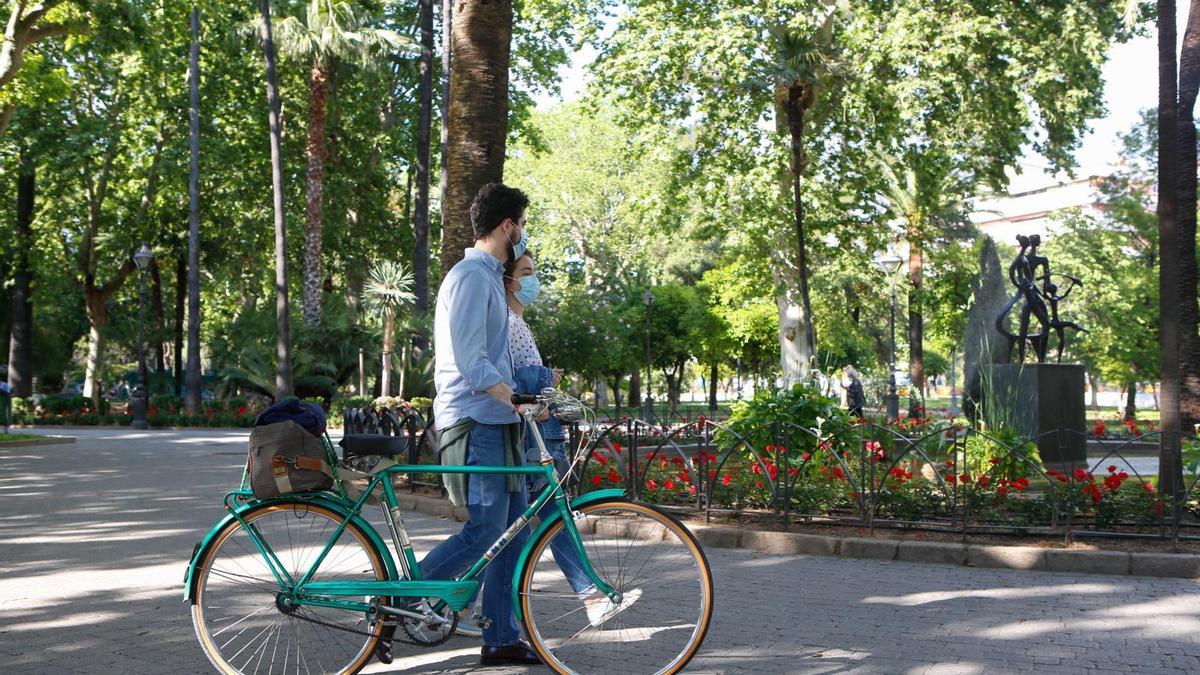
column 656, row 625
column 247, row 631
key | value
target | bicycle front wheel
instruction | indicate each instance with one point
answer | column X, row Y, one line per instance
column 242, row 618
column 657, row 566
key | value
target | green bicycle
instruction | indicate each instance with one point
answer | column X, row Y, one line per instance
column 303, row 583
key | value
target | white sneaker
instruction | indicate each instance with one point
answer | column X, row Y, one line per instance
column 601, row 608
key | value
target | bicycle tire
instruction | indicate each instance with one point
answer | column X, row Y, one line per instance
column 670, row 569
column 235, row 589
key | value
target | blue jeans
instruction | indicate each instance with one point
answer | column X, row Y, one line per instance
column 492, row 508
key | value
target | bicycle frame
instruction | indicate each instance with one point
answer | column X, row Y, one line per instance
column 454, row 593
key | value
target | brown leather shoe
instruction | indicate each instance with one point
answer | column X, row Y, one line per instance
column 515, row 654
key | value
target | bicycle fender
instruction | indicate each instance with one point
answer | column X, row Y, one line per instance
column 589, row 498
column 202, row 546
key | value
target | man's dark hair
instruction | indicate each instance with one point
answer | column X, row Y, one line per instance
column 494, row 203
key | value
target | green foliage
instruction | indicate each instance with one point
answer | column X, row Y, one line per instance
column 758, row 419
column 1114, row 256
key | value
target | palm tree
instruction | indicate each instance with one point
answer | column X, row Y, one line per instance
column 20, row 346
column 420, row 221
column 283, row 363
column 478, row 120
column 388, row 289
column 800, row 64
column 194, row 382
column 331, row 30
column 1189, row 278
column 920, row 202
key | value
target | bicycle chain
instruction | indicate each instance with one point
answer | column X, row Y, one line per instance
column 394, row 640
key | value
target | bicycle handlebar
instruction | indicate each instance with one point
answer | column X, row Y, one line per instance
column 523, row 399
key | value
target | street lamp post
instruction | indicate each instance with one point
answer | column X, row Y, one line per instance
column 648, row 298
column 142, row 259
column 889, row 264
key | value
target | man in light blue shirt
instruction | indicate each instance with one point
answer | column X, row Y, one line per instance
column 474, row 382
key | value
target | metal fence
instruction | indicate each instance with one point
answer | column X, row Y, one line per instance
column 939, row 477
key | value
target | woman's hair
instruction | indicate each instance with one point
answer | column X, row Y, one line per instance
column 511, row 266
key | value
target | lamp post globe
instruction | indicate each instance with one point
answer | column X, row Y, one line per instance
column 142, row 258
column 648, row 413
column 889, row 263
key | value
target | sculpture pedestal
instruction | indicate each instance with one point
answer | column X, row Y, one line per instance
column 1045, row 401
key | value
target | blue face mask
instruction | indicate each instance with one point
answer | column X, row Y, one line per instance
column 521, row 245
column 529, row 291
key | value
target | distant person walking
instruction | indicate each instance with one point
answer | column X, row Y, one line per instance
column 856, row 398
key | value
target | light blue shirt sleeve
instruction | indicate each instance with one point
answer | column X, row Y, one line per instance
column 467, row 300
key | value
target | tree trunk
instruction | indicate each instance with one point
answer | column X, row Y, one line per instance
column 712, row 388
column 283, row 361
column 195, row 384
column 635, row 391
column 444, row 131
column 385, row 375
column 615, row 384
column 97, row 316
column 314, row 153
column 20, row 345
column 157, row 325
column 794, row 355
column 1094, row 404
column 1189, row 311
column 1169, row 460
column 916, row 346
column 478, row 120
column 799, row 97
column 180, row 307
column 1131, row 401
column 420, row 220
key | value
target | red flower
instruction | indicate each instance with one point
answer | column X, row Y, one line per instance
column 1149, row 487
column 853, row 495
column 613, row 476
column 837, row 472
column 1099, row 429
column 651, row 485
column 726, row 480
column 1112, row 468
column 758, row 483
column 952, row 479
column 596, row 480
column 617, row 448
column 692, row 489
column 1081, row 475
column 806, row 457
column 669, row 484
column 965, row 478
column 1061, row 479
column 793, row 472
column 1002, row 491
column 984, row 481
column 994, row 460
column 712, row 474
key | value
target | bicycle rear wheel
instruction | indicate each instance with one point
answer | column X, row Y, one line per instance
column 244, row 623
column 648, row 557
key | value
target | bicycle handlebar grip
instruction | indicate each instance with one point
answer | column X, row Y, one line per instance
column 522, row 399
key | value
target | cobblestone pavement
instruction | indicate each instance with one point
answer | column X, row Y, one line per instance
column 94, row 538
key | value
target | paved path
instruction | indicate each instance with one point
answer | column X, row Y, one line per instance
column 94, row 538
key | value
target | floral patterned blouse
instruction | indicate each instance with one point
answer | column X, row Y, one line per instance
column 520, row 343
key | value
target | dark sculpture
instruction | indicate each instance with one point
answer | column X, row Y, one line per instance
column 1040, row 303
